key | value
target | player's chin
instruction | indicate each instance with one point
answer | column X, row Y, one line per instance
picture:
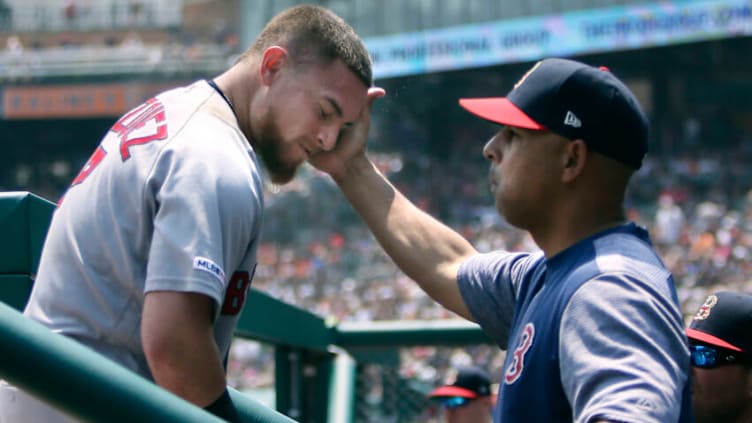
column 281, row 175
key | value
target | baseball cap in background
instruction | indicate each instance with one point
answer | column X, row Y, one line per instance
column 724, row 320
column 471, row 382
column 576, row 101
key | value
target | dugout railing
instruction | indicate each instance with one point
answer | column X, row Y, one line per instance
column 318, row 367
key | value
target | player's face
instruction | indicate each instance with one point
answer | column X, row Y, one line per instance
column 722, row 393
column 524, row 173
column 307, row 108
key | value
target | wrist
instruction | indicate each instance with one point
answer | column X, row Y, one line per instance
column 352, row 168
column 224, row 408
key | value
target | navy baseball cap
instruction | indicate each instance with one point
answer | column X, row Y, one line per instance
column 471, row 382
column 724, row 320
column 576, row 101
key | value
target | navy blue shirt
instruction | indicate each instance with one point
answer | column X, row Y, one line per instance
column 594, row 332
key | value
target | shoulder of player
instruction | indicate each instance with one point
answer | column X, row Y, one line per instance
column 501, row 263
column 622, row 295
column 197, row 110
column 206, row 133
column 626, row 254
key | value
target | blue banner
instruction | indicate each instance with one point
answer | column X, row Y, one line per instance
column 532, row 38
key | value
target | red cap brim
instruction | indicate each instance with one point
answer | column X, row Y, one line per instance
column 710, row 339
column 452, row 391
column 499, row 110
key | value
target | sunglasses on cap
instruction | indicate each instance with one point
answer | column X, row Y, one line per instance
column 455, row 402
column 706, row 357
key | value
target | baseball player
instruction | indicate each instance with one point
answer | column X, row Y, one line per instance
column 468, row 399
column 591, row 323
column 721, row 351
column 152, row 249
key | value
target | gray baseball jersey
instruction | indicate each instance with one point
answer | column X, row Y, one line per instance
column 171, row 200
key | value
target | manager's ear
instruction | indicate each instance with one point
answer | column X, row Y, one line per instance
column 272, row 61
column 575, row 157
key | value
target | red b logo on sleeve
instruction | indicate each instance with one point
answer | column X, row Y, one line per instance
column 518, row 358
column 236, row 291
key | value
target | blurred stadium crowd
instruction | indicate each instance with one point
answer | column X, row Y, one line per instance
column 695, row 198
column 318, row 256
column 697, row 206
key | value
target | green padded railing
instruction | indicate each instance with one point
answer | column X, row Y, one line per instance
column 267, row 319
column 92, row 387
column 81, row 382
column 64, row 373
column 89, row 386
column 24, row 218
column 408, row 333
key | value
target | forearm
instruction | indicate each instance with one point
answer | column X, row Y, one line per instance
column 191, row 370
column 427, row 251
column 178, row 342
column 196, row 374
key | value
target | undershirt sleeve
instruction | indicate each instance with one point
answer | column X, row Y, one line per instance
column 622, row 353
column 489, row 284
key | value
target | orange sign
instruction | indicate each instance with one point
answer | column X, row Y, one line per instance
column 64, row 101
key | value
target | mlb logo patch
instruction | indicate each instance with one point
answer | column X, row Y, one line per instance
column 206, row 265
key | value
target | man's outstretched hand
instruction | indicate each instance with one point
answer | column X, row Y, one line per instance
column 351, row 142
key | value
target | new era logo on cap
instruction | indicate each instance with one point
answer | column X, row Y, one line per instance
column 576, row 101
column 572, row 120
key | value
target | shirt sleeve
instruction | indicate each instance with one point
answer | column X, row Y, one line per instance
column 622, row 352
column 207, row 210
column 489, row 284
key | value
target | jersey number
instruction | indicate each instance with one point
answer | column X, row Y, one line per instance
column 133, row 128
column 518, row 359
column 90, row 165
column 236, row 292
column 144, row 124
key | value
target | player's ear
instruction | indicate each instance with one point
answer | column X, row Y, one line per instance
column 574, row 157
column 272, row 61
